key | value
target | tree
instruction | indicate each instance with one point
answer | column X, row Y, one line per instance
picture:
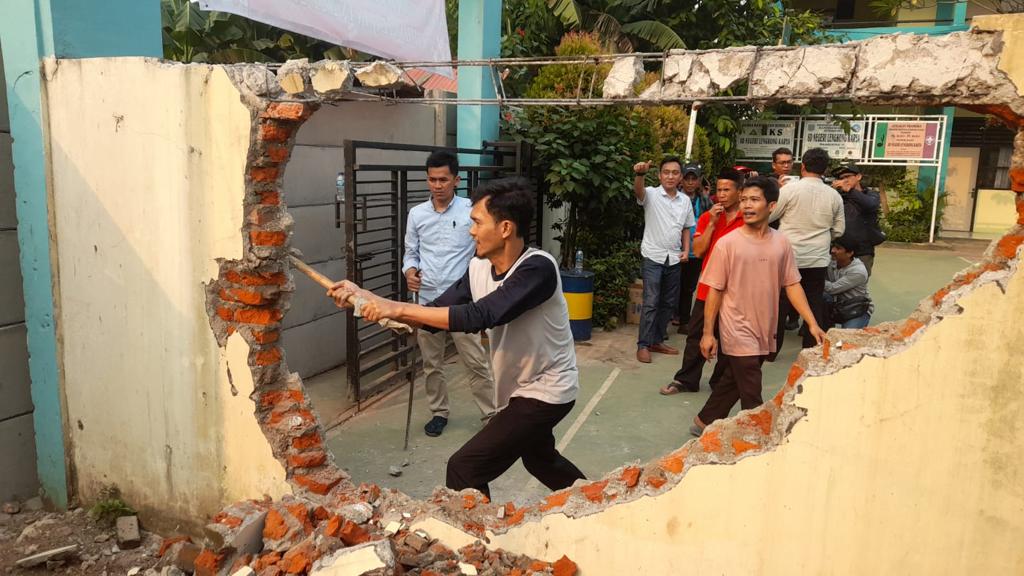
column 625, row 24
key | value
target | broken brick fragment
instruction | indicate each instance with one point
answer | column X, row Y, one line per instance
column 265, row 174
column 564, row 567
column 256, row 278
column 468, row 501
column 711, row 440
column 290, row 111
column 277, row 154
column 261, row 316
column 630, row 476
column 739, row 446
column 308, row 459
column 268, row 357
column 320, row 482
column 267, row 238
column 594, row 491
column 273, row 131
column 266, row 560
column 655, row 481
column 556, row 500
column 299, row 558
column 169, row 542
column 208, row 563
column 352, row 534
column 270, row 198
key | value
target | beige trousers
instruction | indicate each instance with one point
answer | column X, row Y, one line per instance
column 471, row 349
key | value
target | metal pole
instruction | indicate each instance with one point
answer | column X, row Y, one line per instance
column 935, row 205
column 409, row 375
column 692, row 129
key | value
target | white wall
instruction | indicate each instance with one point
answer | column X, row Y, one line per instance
column 147, row 163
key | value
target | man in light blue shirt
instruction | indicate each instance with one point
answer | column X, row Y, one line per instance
column 438, row 249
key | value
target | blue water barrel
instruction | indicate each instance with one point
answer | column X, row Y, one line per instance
column 578, row 289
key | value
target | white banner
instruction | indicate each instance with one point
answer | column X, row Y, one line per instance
column 411, row 30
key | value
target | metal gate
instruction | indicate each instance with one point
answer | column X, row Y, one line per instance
column 373, row 209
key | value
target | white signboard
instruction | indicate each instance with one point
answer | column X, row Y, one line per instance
column 411, row 30
column 834, row 138
column 758, row 139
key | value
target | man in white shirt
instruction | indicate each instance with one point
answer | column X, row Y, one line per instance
column 668, row 219
column 811, row 215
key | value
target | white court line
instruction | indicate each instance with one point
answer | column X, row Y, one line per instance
column 971, row 262
column 571, row 432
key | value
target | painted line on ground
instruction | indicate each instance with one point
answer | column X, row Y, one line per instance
column 971, row 262
column 578, row 423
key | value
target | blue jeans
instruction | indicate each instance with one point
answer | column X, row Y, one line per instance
column 858, row 322
column 661, row 296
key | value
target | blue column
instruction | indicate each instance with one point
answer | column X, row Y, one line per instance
column 479, row 37
column 927, row 176
column 31, row 30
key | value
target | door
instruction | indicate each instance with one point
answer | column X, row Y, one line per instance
column 961, row 179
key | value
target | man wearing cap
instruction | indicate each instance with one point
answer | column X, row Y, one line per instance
column 860, row 206
column 668, row 219
column 690, row 271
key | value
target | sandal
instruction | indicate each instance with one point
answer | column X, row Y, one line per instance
column 673, row 388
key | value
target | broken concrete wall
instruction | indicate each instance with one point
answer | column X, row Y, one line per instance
column 147, row 162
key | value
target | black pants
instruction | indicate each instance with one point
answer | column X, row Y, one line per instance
column 693, row 361
column 812, row 280
column 689, row 275
column 741, row 380
column 522, row 430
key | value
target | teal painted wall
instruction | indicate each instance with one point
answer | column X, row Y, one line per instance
column 29, row 31
column 479, row 37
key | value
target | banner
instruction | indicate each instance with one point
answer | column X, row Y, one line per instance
column 411, row 30
column 834, row 138
column 906, row 140
column 759, row 138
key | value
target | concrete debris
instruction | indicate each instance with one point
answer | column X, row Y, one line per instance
column 101, row 538
column 395, row 471
column 826, row 70
column 134, row 571
column 360, row 513
column 244, row 571
column 11, row 508
column 624, row 77
column 392, row 527
column 467, row 569
column 358, row 560
column 63, row 552
column 184, row 555
column 34, row 504
column 380, row 74
column 36, row 529
column 128, row 535
column 331, row 78
column 293, row 76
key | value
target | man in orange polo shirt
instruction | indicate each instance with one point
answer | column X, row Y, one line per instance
column 722, row 218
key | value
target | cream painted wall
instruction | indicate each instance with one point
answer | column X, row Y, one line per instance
column 147, row 168
column 907, row 465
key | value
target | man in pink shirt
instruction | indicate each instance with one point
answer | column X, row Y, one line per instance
column 750, row 268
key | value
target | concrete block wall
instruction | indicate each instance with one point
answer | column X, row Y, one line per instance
column 17, row 435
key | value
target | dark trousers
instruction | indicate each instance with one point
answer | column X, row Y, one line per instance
column 661, row 296
column 522, row 430
column 693, row 361
column 741, row 380
column 868, row 260
column 689, row 274
column 812, row 280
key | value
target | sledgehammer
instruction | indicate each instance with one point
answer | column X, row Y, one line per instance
column 357, row 303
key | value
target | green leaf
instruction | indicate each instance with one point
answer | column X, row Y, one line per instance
column 568, row 11
column 656, row 33
column 237, row 55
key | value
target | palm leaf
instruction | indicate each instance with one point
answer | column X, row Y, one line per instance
column 656, row 33
column 568, row 11
column 237, row 55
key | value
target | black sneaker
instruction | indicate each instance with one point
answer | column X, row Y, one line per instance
column 435, row 426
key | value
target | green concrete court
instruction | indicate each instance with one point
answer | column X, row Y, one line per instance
column 619, row 416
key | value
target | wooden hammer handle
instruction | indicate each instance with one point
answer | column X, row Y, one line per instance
column 327, row 283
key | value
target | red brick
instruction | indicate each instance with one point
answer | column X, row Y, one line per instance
column 826, row 349
column 1017, row 179
column 1007, row 246
column 227, row 520
column 908, row 329
column 740, row 446
column 261, row 316
column 333, row 528
column 320, row 514
column 268, row 357
column 275, row 526
column 673, row 464
column 352, row 534
column 271, row 131
column 266, row 174
column 277, row 417
column 594, row 491
column 320, row 482
column 300, row 512
column 516, row 517
column 267, row 238
column 266, row 560
column 468, row 501
column 711, row 440
column 266, row 336
column 292, row 111
column 168, row 542
column 655, row 481
column 761, row 420
column 208, row 563
column 270, row 198
column 539, row 566
column 307, row 460
column 307, row 441
column 1020, row 208
column 564, row 567
column 242, row 296
column 256, row 279
column 630, row 476
column 239, row 563
column 277, row 154
column 556, row 500
column 299, row 558
column 226, row 314
column 274, row 397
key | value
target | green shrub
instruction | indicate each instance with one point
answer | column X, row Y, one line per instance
column 110, row 507
column 910, row 214
column 612, row 276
